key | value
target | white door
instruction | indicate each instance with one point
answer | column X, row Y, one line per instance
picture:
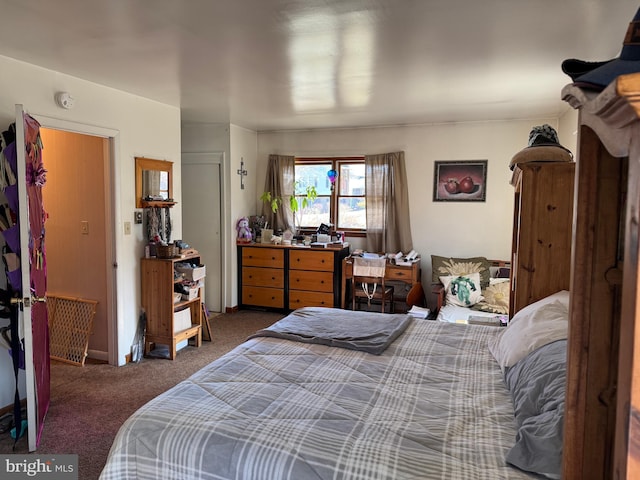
column 201, row 217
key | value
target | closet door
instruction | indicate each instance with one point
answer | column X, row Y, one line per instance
column 33, row 309
column 201, row 217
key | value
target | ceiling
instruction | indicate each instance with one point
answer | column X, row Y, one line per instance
column 298, row 64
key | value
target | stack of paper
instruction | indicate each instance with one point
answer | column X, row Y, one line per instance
column 419, row 312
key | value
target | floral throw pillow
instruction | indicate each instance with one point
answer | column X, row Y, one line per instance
column 444, row 266
column 496, row 299
column 463, row 290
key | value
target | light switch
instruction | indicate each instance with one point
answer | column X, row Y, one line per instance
column 127, row 228
column 84, row 227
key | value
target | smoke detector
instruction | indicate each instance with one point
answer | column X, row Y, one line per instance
column 65, row 100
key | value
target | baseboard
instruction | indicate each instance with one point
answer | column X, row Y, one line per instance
column 9, row 408
column 232, row 309
column 98, row 355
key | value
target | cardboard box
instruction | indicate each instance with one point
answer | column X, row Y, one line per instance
column 181, row 320
column 191, row 273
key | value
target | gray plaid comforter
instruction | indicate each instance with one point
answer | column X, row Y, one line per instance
column 433, row 406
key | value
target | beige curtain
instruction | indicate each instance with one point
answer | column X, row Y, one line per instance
column 279, row 181
column 388, row 225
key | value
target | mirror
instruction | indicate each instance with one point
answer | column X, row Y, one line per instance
column 154, row 179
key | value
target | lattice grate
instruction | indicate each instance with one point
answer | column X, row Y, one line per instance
column 70, row 324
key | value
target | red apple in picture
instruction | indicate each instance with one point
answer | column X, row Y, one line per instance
column 451, row 185
column 467, row 185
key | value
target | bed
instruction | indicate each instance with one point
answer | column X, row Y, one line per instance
column 470, row 288
column 280, row 406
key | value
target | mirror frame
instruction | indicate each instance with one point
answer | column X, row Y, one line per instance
column 142, row 164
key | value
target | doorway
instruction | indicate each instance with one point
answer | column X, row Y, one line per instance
column 79, row 236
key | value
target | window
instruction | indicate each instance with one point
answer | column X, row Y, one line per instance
column 344, row 206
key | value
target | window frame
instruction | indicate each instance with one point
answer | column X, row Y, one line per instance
column 335, row 196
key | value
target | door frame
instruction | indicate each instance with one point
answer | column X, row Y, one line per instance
column 112, row 215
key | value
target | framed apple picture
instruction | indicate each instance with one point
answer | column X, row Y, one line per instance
column 460, row 181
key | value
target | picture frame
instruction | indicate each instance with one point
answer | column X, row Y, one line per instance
column 460, row 181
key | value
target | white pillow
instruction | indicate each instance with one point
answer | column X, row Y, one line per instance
column 463, row 290
column 529, row 330
column 562, row 296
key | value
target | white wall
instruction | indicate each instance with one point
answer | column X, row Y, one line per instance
column 568, row 130
column 458, row 229
column 244, row 146
column 143, row 128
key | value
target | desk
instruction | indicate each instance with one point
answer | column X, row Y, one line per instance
column 409, row 274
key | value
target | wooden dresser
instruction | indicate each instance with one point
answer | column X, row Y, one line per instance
column 541, row 244
column 602, row 408
column 289, row 277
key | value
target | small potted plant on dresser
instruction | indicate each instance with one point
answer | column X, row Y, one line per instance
column 297, row 206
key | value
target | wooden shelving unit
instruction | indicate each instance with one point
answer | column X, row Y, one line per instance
column 158, row 280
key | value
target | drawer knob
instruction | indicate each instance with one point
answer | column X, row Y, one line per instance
column 322, row 281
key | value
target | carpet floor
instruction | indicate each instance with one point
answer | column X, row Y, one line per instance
column 88, row 404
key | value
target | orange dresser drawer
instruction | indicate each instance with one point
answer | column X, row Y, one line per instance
column 262, row 257
column 397, row 274
column 263, row 277
column 313, row 281
column 311, row 260
column 263, row 297
column 299, row 298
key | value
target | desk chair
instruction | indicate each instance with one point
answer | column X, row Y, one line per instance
column 368, row 282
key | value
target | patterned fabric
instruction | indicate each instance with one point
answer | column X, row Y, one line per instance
column 496, row 299
column 543, row 135
column 463, row 290
column 443, row 266
column 434, row 405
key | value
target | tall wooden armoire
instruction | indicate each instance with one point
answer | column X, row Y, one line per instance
column 602, row 409
column 542, row 218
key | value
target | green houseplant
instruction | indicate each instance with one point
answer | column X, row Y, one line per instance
column 297, row 206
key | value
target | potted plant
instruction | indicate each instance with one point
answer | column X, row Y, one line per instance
column 296, row 206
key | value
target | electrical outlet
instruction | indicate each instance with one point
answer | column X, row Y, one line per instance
column 127, row 228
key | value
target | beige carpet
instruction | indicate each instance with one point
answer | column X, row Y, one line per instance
column 88, row 404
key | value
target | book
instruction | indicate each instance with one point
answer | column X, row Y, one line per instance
column 419, row 312
column 496, row 320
